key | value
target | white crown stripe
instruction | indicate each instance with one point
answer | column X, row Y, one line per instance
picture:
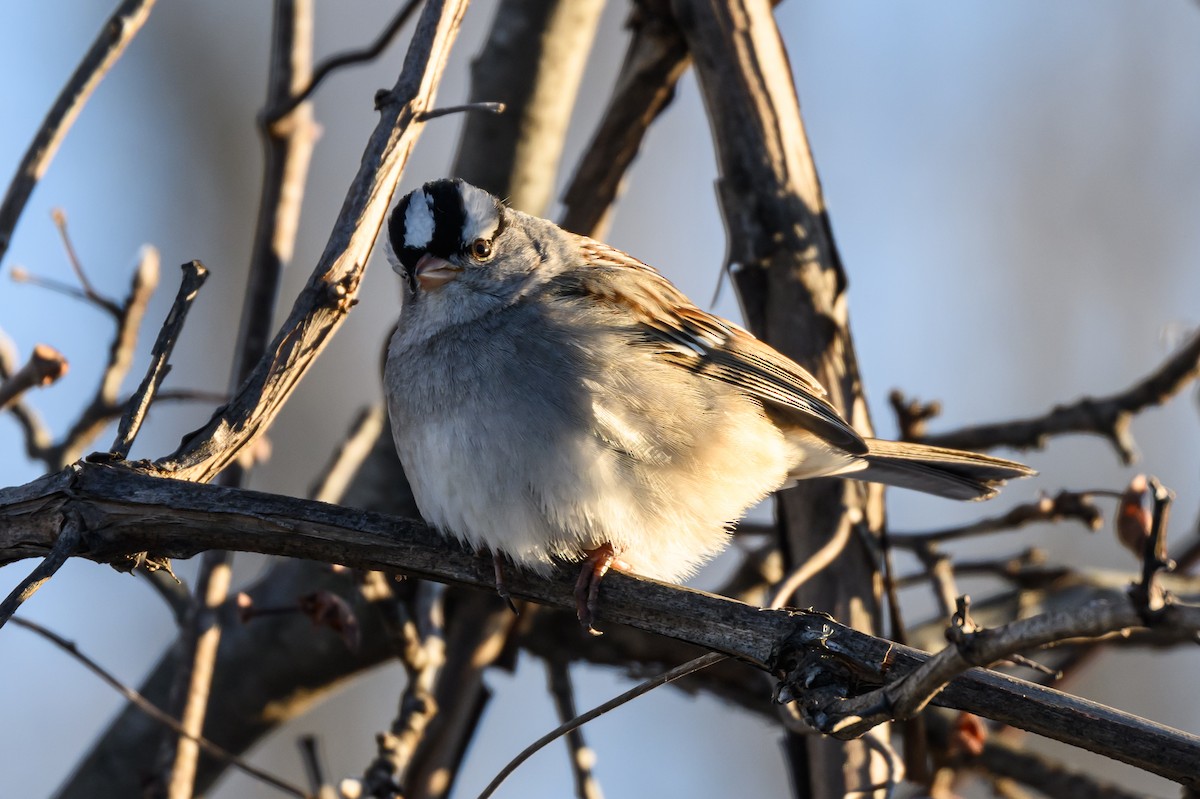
column 418, row 221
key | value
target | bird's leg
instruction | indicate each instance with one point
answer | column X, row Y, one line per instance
column 501, row 588
column 587, row 587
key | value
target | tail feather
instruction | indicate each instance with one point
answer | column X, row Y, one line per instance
column 950, row 473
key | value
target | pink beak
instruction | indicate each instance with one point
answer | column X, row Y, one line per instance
column 432, row 271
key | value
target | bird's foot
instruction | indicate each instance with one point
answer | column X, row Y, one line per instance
column 596, row 564
column 501, row 588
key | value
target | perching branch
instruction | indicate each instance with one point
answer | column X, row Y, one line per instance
column 110, row 43
column 1106, row 416
column 122, row 511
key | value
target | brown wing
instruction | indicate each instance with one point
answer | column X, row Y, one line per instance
column 710, row 346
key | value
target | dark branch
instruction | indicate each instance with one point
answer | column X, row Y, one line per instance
column 194, row 275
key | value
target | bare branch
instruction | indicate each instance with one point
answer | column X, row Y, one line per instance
column 157, row 715
column 908, row 695
column 334, row 63
column 487, row 107
column 690, row 667
column 194, row 275
column 419, row 638
column 547, row 43
column 1066, row 505
column 1106, row 416
column 792, row 289
column 89, row 291
column 656, row 58
column 110, row 43
column 66, row 546
column 330, row 292
column 104, row 403
column 288, row 145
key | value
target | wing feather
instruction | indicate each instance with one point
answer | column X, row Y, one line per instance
column 712, row 347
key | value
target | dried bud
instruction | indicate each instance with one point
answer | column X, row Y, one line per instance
column 1133, row 518
column 48, row 364
column 968, row 735
column 245, row 607
column 257, row 453
column 327, row 609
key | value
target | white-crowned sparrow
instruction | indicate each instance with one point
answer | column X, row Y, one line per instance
column 554, row 398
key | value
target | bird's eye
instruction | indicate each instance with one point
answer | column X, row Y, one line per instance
column 481, row 249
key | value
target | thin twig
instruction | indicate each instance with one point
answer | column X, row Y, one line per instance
column 348, row 58
column 19, row 274
column 489, row 107
column 146, row 706
column 89, row 291
column 690, row 667
column 817, row 563
column 105, row 400
column 1065, row 505
column 110, row 43
column 314, row 768
column 64, row 548
column 194, row 275
column 1107, row 416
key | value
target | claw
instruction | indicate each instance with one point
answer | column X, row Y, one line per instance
column 587, row 585
column 501, row 588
